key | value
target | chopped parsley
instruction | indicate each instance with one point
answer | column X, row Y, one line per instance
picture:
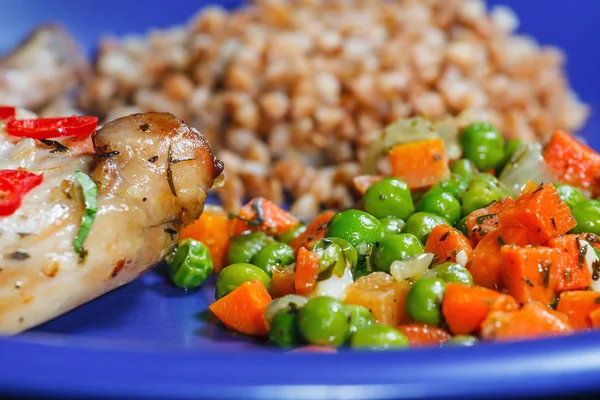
column 90, row 196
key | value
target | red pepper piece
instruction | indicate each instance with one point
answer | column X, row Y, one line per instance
column 7, row 112
column 14, row 184
column 47, row 128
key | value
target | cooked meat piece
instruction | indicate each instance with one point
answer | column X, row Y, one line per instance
column 140, row 213
column 47, row 65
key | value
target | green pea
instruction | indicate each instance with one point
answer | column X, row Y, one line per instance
column 291, row 233
column 443, row 204
column 379, row 337
column 482, row 144
column 272, row 255
column 234, row 275
column 512, row 145
column 454, row 185
column 324, row 321
column 483, row 190
column 464, row 168
column 395, row 247
column 484, row 177
column 284, row 331
column 243, row 248
column 331, row 257
column 423, row 301
column 452, row 272
column 190, row 265
column 360, row 317
column 587, row 215
column 570, row 194
column 390, row 197
column 354, row 226
column 421, row 224
column 461, row 225
column 462, row 340
column 391, row 226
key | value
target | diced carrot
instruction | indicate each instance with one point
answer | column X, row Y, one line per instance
column 542, row 212
column 364, row 182
column 420, row 164
column 573, row 162
column 573, row 272
column 381, row 294
column 534, row 320
column 213, row 228
column 307, row 271
column 282, row 281
column 421, row 335
column 481, row 222
column 314, row 231
column 577, row 306
column 243, row 309
column 485, row 263
column 465, row 307
column 445, row 243
column 529, row 273
column 595, row 318
column 263, row 215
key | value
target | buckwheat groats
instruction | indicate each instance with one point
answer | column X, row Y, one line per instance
column 291, row 93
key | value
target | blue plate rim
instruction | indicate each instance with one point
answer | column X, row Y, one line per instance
column 45, row 364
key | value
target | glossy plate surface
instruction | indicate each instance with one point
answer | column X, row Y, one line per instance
column 151, row 340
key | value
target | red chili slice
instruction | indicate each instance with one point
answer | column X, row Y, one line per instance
column 47, row 128
column 14, row 184
column 7, row 112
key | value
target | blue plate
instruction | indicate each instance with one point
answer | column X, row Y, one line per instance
column 150, row 340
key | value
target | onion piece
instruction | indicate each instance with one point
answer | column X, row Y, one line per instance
column 462, row 258
column 591, row 258
column 334, row 286
column 290, row 300
column 527, row 164
column 447, row 130
column 403, row 270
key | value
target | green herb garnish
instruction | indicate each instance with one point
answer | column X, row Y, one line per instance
column 482, row 218
column 58, row 147
column 109, row 154
column 170, row 162
column 19, row 255
column 90, row 196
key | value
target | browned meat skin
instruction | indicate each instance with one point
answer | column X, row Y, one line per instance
column 45, row 66
column 154, row 144
column 137, row 224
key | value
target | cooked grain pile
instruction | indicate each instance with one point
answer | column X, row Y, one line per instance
column 290, row 93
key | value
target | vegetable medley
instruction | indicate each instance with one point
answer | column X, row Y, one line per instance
column 494, row 240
